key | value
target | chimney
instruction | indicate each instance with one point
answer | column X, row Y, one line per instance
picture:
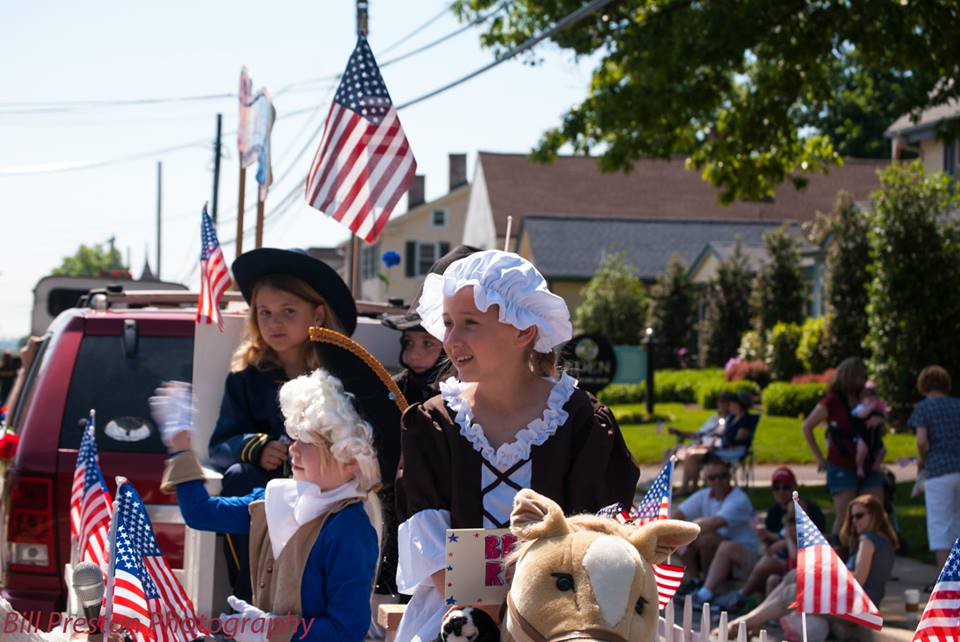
column 458, row 170
column 415, row 195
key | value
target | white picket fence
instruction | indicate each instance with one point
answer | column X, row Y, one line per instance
column 670, row 631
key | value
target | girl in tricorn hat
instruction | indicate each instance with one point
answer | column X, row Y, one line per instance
column 288, row 291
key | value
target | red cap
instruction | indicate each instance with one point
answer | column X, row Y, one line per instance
column 784, row 475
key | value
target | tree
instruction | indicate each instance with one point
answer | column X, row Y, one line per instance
column 92, row 260
column 728, row 309
column 756, row 92
column 778, row 290
column 673, row 312
column 845, row 281
column 912, row 316
column 614, row 302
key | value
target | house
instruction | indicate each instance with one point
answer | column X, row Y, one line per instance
column 567, row 250
column 421, row 235
column 511, row 185
column 933, row 136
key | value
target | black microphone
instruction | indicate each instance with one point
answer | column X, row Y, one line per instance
column 88, row 585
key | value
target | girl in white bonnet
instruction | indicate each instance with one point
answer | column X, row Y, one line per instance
column 509, row 420
column 314, row 538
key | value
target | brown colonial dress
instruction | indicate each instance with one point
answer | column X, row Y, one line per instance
column 451, row 477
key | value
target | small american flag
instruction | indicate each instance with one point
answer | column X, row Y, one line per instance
column 214, row 277
column 824, row 583
column 364, row 163
column 89, row 502
column 940, row 621
column 654, row 505
column 147, row 599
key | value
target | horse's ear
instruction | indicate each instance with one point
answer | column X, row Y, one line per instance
column 658, row 539
column 535, row 516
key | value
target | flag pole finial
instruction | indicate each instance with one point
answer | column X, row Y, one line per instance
column 796, row 496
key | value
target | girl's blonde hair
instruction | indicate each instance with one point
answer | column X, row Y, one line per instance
column 317, row 410
column 254, row 350
column 878, row 520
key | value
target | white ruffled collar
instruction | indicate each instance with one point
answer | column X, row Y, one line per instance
column 289, row 504
column 534, row 434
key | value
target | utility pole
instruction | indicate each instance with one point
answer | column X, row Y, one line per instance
column 216, row 170
column 363, row 24
column 159, row 209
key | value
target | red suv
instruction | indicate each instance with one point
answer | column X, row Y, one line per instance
column 110, row 353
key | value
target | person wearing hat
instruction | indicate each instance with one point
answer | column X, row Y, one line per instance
column 508, row 420
column 421, row 353
column 314, row 538
column 288, row 292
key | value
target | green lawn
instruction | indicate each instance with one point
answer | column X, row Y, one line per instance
column 778, row 439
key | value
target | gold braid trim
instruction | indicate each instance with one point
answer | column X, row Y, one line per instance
column 325, row 335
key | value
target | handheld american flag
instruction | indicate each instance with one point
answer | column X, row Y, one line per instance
column 214, row 277
column 143, row 594
column 364, row 163
column 940, row 621
column 824, row 583
column 89, row 502
column 654, row 505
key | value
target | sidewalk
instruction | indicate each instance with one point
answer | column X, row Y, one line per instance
column 807, row 474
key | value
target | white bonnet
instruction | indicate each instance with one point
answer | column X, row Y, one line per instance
column 506, row 280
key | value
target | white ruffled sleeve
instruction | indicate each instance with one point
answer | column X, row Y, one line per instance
column 422, row 543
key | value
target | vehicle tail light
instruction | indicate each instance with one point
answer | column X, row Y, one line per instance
column 30, row 529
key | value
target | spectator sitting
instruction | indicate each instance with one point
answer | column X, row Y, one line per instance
column 704, row 438
column 733, row 443
column 869, row 417
column 781, row 541
column 727, row 545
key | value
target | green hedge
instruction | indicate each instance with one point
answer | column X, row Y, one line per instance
column 792, row 399
column 708, row 391
column 677, row 386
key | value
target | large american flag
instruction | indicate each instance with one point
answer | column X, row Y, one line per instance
column 146, row 597
column 89, row 502
column 654, row 505
column 214, row 277
column 824, row 583
column 364, row 163
column 940, row 621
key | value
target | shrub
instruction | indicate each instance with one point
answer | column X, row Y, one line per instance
column 792, row 399
column 751, row 347
column 679, row 386
column 778, row 290
column 728, row 309
column 614, row 302
column 812, row 351
column 673, row 314
column 845, row 281
column 756, row 371
column 781, row 353
column 812, row 377
column 708, row 391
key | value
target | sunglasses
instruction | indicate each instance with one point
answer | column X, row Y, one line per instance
column 777, row 487
column 858, row 516
column 716, row 476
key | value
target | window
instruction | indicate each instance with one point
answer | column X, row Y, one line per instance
column 950, row 157
column 121, row 388
column 439, row 218
column 369, row 255
column 420, row 256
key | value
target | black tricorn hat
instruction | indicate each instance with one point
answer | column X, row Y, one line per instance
column 411, row 320
column 376, row 396
column 255, row 264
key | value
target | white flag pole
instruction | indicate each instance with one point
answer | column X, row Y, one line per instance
column 506, row 240
column 112, row 561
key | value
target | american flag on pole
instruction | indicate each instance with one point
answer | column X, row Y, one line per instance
column 364, row 163
column 654, row 505
column 940, row 621
column 143, row 594
column 89, row 502
column 824, row 583
column 214, row 277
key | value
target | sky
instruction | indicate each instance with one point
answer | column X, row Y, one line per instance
column 61, row 51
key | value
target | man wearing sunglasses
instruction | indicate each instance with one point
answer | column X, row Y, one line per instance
column 728, row 544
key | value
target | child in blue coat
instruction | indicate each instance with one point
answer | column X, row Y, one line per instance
column 314, row 539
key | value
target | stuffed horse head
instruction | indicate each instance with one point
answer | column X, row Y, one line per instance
column 584, row 577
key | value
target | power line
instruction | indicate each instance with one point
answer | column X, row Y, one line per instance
column 413, row 33
column 38, row 107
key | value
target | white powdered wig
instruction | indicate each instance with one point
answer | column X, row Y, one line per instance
column 317, row 410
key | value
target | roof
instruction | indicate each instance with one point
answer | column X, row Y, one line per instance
column 655, row 189
column 572, row 248
column 928, row 120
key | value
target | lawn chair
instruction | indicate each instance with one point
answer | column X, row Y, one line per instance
column 742, row 462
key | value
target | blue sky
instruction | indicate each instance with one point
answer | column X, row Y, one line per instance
column 68, row 51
